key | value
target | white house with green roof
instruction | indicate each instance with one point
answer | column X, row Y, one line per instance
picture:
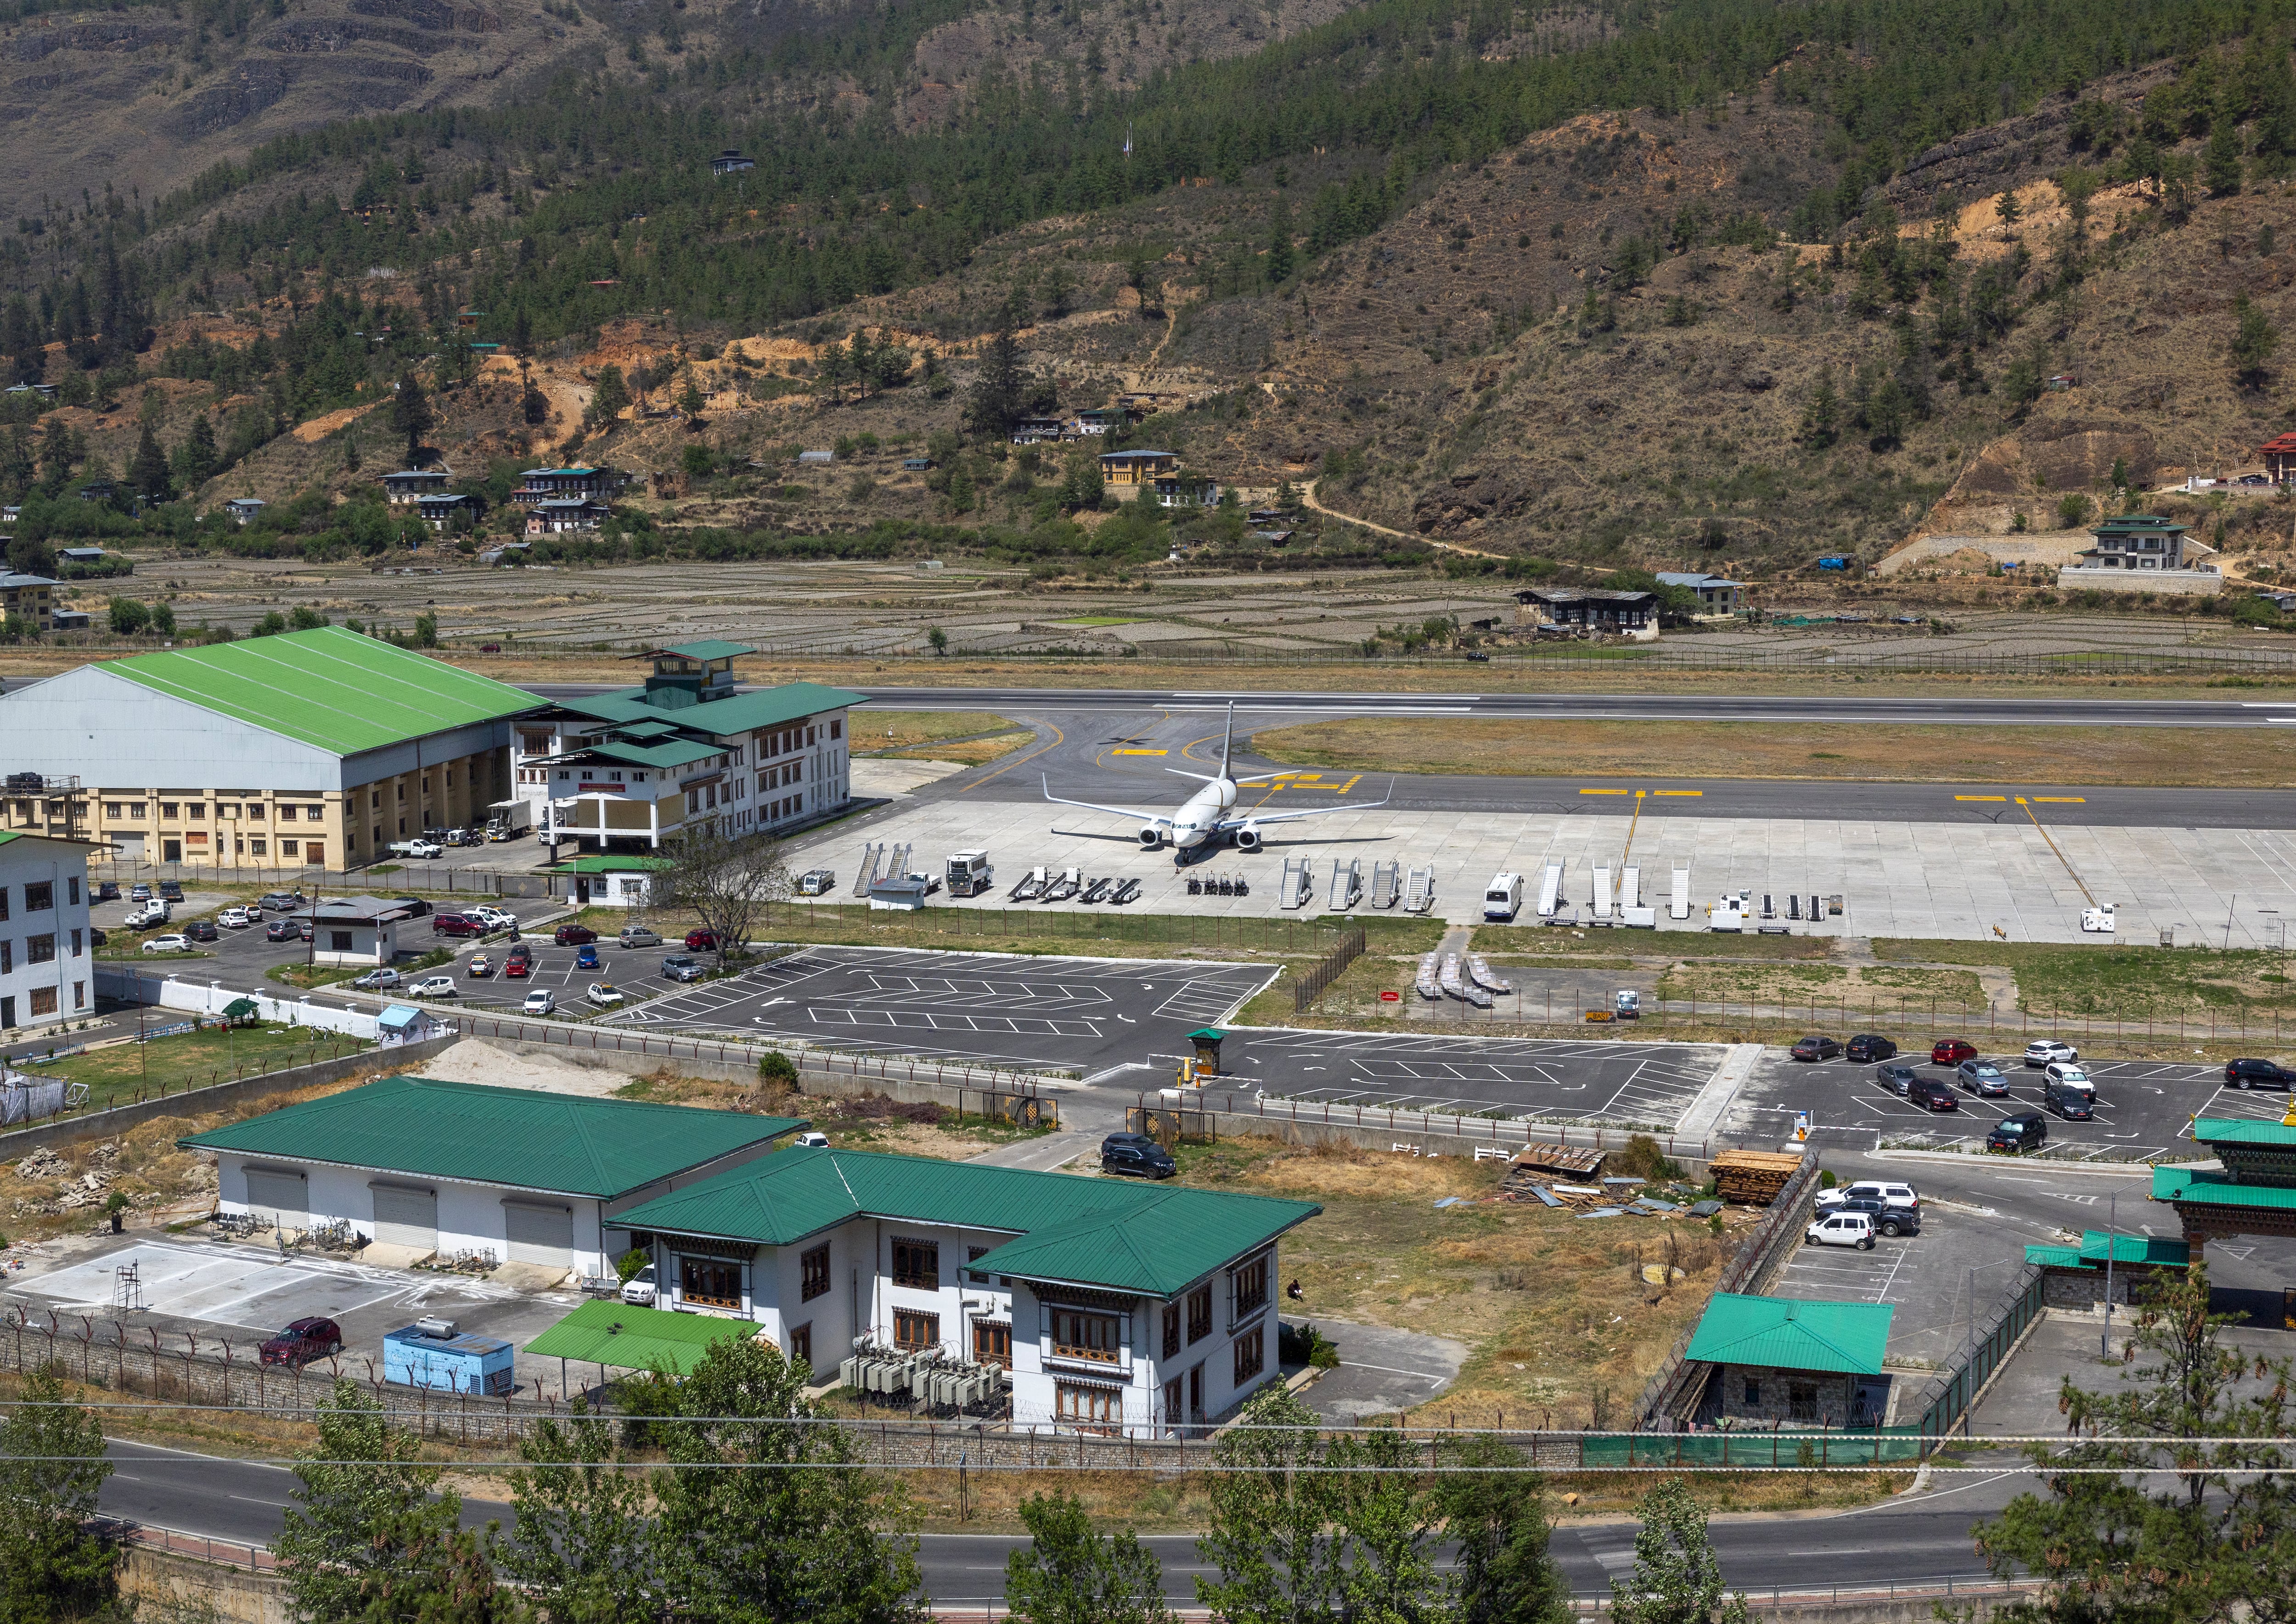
column 1137, row 1308
column 419, row 1167
column 621, row 772
column 310, row 749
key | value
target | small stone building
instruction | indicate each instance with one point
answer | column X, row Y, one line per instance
column 1784, row 1359
column 2074, row 1276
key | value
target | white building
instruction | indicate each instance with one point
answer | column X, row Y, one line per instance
column 421, row 1167
column 1116, row 1307
column 355, row 930
column 620, row 772
column 46, row 972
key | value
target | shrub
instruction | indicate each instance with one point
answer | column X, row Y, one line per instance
column 1642, row 1158
column 775, row 1068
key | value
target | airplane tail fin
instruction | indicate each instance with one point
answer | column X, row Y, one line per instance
column 1227, row 745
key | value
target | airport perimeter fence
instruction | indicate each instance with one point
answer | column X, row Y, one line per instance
column 1328, row 969
column 2017, row 1310
column 454, row 879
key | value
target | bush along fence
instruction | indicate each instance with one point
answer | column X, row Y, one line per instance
column 1328, row 969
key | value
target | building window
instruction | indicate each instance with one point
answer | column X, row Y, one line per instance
column 71, row 891
column 1250, row 1354
column 713, row 1281
column 1080, row 1405
column 39, row 898
column 1200, row 1313
column 40, row 949
column 79, row 995
column 111, row 808
column 43, row 1000
column 992, row 1343
column 339, row 942
column 1753, row 1390
column 135, row 808
column 837, row 730
column 76, row 948
column 3, row 902
column 7, row 956
column 168, row 810
column 195, row 809
column 815, row 1265
column 288, row 848
column 1251, row 1287
column 286, row 813
column 261, row 846
column 1079, row 1335
column 255, row 811
column 916, row 1263
column 800, row 1344
column 914, row 1331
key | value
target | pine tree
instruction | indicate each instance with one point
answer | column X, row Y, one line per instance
column 2006, row 209
column 1002, row 384
column 149, row 472
column 1279, row 242
column 2220, row 160
column 1821, row 419
column 196, row 459
column 411, row 415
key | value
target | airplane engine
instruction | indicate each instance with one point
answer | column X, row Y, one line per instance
column 1150, row 838
column 1247, row 839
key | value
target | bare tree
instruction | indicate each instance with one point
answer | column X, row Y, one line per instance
column 727, row 879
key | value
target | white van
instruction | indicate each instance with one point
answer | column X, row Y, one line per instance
column 1503, row 898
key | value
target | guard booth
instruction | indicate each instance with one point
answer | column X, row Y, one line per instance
column 1208, row 1045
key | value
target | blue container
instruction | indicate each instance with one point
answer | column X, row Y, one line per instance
column 412, row 1357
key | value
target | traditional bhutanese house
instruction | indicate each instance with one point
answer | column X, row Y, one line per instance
column 2255, row 1193
column 1785, row 1359
column 2075, row 1277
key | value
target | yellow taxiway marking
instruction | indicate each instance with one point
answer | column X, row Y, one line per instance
column 1980, row 798
column 2059, row 801
column 1140, row 752
column 1677, row 792
column 1601, row 792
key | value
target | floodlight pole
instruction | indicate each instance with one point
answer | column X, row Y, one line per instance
column 2105, row 1342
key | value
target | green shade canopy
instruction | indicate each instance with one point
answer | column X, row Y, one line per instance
column 629, row 1338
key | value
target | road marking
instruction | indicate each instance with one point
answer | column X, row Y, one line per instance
column 1601, row 792
column 1140, row 752
column 1690, row 793
column 2060, row 800
column 1980, row 798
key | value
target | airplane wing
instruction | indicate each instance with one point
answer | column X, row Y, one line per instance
column 1094, row 806
column 1285, row 818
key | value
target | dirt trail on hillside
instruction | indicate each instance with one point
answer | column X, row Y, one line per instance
column 1308, row 496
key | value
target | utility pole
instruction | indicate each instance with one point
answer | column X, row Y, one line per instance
column 2111, row 1211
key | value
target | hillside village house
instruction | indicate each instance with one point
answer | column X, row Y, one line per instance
column 413, row 484
column 1116, row 1307
column 581, row 482
column 2140, row 541
column 31, row 598
column 1136, row 467
column 620, row 772
column 2279, row 454
column 557, row 516
column 1591, row 609
column 1716, row 596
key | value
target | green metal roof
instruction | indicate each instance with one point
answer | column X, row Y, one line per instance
column 709, row 648
column 1789, row 1333
column 525, row 1137
column 2056, row 1257
column 2240, row 1130
column 629, row 1338
column 613, row 865
column 1154, row 1239
column 2160, row 1252
column 2217, row 1190
column 666, row 757
column 737, row 713
column 332, row 688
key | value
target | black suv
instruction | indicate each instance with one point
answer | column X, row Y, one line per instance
column 1866, row 1047
column 2256, row 1074
column 1888, row 1220
column 1934, row 1093
column 2026, row 1130
column 1137, row 1153
column 199, row 930
column 1899, row 1081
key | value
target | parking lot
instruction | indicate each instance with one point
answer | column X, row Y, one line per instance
column 1928, row 1278
column 2142, row 1107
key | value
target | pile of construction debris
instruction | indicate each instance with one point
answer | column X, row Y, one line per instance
column 1563, row 1176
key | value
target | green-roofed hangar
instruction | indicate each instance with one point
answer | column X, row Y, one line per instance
column 418, row 1166
column 310, row 749
column 1114, row 1306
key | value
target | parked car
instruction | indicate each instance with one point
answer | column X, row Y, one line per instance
column 455, row 925
column 1952, row 1050
column 585, row 957
column 2041, row 1051
column 433, row 987
column 1981, row 1076
column 638, row 936
column 1889, row 1192
column 377, row 981
column 175, row 941
column 639, row 1290
column 1815, row 1047
column 1137, row 1153
column 1933, row 1093
column 415, row 906
column 682, row 967
column 2026, row 1130
column 302, row 1342
column 2070, row 1094
column 815, row 882
column 139, row 892
column 1891, row 1221
column 604, row 995
column 2256, row 1074
column 519, row 963
column 202, row 931
column 479, row 968
column 810, row 1139
column 420, row 850
column 1841, row 1229
column 283, row 931
column 1896, row 1077
column 701, row 941
column 1866, row 1047
column 106, row 891
column 281, row 902
column 235, row 919
column 493, row 918
column 541, row 1001
column 574, row 936
column 171, row 891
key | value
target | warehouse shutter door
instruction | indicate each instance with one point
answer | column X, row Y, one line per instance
column 406, row 1216
column 539, row 1233
column 281, row 1195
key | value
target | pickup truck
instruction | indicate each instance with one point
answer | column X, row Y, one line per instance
column 417, row 849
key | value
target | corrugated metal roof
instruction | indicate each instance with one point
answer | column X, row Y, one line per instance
column 2136, row 1249
column 1153, row 1239
column 707, row 648
column 628, row 1337
column 2217, row 1190
column 2239, row 1130
column 332, row 687
column 522, row 1138
column 1791, row 1333
column 2056, row 1257
column 720, row 718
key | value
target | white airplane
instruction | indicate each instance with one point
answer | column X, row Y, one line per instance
column 1208, row 819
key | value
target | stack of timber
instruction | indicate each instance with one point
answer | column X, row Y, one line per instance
column 1753, row 1178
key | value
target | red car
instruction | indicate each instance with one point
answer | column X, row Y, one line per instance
column 520, row 963
column 457, row 924
column 1952, row 1050
column 574, row 936
column 304, row 1340
column 701, row 941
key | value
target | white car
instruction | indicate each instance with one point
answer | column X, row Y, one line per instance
column 603, row 994
column 811, row 1140
column 433, row 987
column 1841, row 1229
column 2041, row 1051
column 170, row 943
column 639, row 1288
column 2067, row 1072
column 539, row 1002
column 1893, row 1194
column 494, row 919
column 375, row 979
column 237, row 919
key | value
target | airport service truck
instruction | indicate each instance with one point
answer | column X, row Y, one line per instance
column 969, row 874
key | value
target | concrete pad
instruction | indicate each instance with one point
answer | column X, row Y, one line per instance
column 890, row 777
column 1381, row 1370
column 234, row 1286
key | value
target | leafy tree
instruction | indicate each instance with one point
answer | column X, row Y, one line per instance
column 163, row 619
column 426, row 631
column 2072, row 507
column 306, row 618
column 270, row 625
column 1071, row 1575
column 410, row 415
column 2252, row 343
column 1386, row 1514
column 149, row 474
column 1268, row 1512
column 938, row 638
column 54, row 1566
column 534, row 406
column 30, row 554
column 2216, row 1539
column 1497, row 1520
column 127, row 616
column 581, row 1544
column 762, row 1517
column 1676, row 1577
column 724, row 879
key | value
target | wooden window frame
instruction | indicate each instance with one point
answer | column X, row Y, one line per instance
column 1171, row 1329
column 1078, row 1335
column 814, row 1277
column 916, row 1330
column 1250, row 1354
column 689, row 1265
column 906, row 1259
column 1088, row 1407
column 1248, row 1287
column 1200, row 1313
column 992, row 1343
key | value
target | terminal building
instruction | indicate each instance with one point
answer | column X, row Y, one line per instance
column 310, row 749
